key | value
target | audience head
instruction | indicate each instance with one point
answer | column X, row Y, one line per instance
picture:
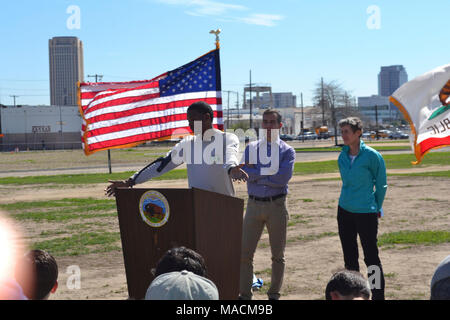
column 11, row 249
column 347, row 285
column 179, row 259
column 181, row 285
column 37, row 274
column 440, row 283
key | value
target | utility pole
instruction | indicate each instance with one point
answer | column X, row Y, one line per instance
column 14, row 97
column 97, row 78
column 228, row 108
column 302, row 123
column 237, row 105
column 251, row 115
column 322, row 100
column 61, row 127
column 376, row 122
column 333, row 116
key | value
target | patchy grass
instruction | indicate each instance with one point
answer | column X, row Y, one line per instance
column 90, row 178
column 80, row 244
column 313, row 237
column 61, row 210
column 338, row 149
column 70, row 239
column 441, row 174
column 295, row 219
column 414, row 238
column 396, row 161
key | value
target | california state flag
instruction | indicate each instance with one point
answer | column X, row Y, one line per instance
column 425, row 104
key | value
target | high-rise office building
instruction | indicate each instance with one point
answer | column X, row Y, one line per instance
column 66, row 69
column 276, row 100
column 390, row 79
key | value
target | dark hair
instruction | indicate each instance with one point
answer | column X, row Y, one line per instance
column 45, row 274
column 273, row 111
column 441, row 290
column 201, row 107
column 179, row 259
column 348, row 283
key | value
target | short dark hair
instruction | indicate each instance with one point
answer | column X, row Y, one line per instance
column 441, row 290
column 348, row 283
column 179, row 259
column 273, row 111
column 201, row 107
column 45, row 274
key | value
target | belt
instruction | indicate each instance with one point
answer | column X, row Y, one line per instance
column 267, row 198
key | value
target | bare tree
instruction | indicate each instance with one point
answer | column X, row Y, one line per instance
column 335, row 102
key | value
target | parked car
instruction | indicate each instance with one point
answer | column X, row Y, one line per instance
column 384, row 133
column 324, row 135
column 307, row 136
column 398, row 135
column 287, row 137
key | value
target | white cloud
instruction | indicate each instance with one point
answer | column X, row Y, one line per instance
column 226, row 11
column 206, row 7
column 262, row 19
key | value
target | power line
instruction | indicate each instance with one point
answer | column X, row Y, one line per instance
column 14, row 97
column 96, row 76
column 125, row 77
column 27, row 95
column 19, row 80
column 24, row 89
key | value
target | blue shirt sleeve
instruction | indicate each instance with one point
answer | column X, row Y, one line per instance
column 285, row 171
column 379, row 173
column 253, row 171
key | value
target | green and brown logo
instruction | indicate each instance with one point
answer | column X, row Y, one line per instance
column 154, row 208
column 443, row 97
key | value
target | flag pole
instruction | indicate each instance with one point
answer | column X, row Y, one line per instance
column 216, row 32
column 97, row 77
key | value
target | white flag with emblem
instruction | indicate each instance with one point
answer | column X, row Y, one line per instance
column 425, row 104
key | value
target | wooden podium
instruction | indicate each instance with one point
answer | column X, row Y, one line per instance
column 207, row 222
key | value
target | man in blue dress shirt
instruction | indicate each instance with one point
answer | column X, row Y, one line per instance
column 269, row 163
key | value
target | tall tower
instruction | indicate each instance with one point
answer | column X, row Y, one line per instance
column 66, row 68
column 390, row 79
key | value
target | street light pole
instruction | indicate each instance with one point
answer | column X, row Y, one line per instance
column 14, row 97
column 97, row 77
column 228, row 105
column 61, row 126
column 302, row 124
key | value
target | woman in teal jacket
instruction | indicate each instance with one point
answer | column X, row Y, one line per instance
column 364, row 185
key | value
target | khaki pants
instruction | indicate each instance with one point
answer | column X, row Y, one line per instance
column 275, row 216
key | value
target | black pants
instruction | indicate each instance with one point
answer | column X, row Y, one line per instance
column 366, row 225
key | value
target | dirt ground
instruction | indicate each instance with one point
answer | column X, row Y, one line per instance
column 313, row 250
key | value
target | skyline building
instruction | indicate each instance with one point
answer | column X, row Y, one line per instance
column 66, row 68
column 276, row 100
column 390, row 79
column 378, row 107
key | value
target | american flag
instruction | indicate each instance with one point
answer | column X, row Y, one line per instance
column 125, row 114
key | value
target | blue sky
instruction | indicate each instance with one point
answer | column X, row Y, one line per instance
column 289, row 44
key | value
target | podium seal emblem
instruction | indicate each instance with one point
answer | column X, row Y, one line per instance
column 154, row 209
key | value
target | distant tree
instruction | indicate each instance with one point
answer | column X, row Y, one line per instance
column 335, row 102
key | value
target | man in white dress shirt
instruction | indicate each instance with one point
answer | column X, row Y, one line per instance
column 211, row 157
